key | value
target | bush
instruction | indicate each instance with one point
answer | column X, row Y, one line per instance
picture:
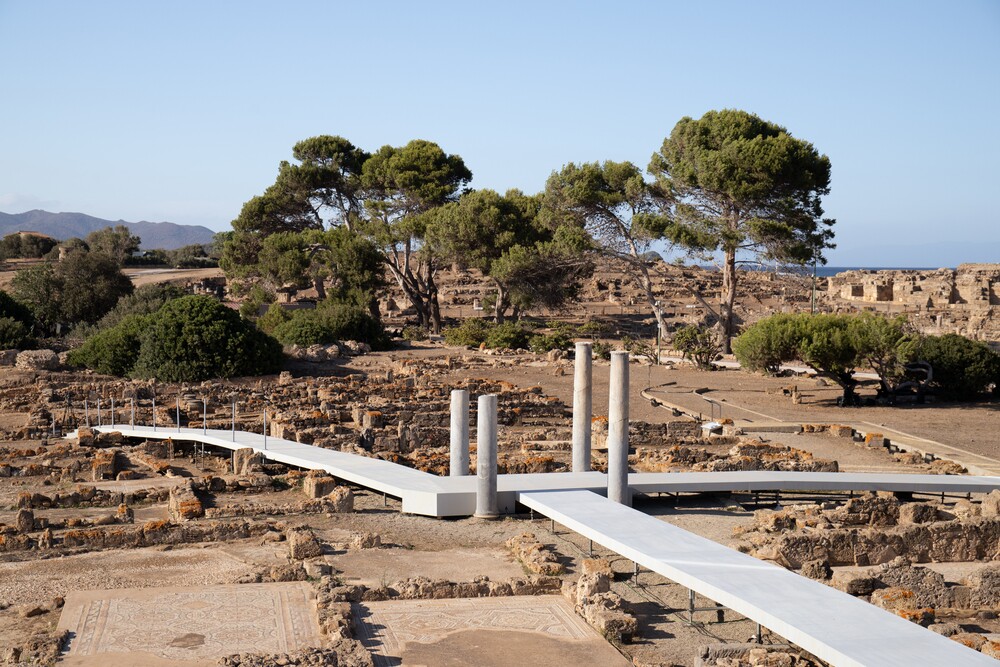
column 146, row 300
column 542, row 343
column 14, row 335
column 698, row 344
column 962, row 368
column 769, row 343
column 330, row 323
column 15, row 310
column 197, row 338
column 507, row 336
column 304, row 328
column 273, row 318
column 114, row 350
column 470, row 333
column 412, row 333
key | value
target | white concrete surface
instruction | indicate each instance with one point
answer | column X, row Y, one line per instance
column 430, row 495
column 834, row 626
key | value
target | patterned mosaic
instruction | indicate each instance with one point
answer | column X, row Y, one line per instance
column 192, row 624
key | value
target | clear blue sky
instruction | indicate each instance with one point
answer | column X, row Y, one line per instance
column 182, row 110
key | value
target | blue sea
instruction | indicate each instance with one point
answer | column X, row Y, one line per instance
column 826, row 271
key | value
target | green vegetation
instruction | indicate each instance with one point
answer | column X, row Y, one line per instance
column 25, row 246
column 328, row 324
column 699, row 344
column 963, row 368
column 189, row 339
column 530, row 263
column 79, row 289
column 836, row 345
column 735, row 183
column 14, row 334
column 117, row 242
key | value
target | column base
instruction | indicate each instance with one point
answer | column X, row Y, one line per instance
column 487, row 517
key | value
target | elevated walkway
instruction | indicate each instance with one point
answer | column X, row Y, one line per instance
column 430, row 495
column 833, row 626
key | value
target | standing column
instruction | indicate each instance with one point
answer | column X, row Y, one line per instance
column 486, row 458
column 582, row 407
column 618, row 490
column 459, row 432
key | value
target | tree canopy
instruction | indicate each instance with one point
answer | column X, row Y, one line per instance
column 735, row 183
column 80, row 288
column 613, row 203
column 502, row 237
column 116, row 242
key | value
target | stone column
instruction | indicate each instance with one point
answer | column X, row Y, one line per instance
column 582, row 407
column 459, row 432
column 486, row 458
column 618, row 490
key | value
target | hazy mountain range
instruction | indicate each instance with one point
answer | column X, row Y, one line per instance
column 62, row 226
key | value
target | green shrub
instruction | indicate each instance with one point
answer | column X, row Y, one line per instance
column 113, row 351
column 470, row 333
column 542, row 343
column 304, row 328
column 601, row 350
column 699, row 344
column 330, row 323
column 197, row 338
column 507, row 336
column 963, row 368
column 769, row 343
column 15, row 310
column 145, row 300
column 412, row 333
column 14, row 335
column 273, row 318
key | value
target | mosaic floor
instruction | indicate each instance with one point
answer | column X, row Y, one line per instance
column 191, row 623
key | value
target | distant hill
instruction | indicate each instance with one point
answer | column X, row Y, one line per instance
column 62, row 226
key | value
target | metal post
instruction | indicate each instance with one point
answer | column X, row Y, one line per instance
column 86, row 412
column 204, row 417
column 132, row 418
column 691, row 605
column 760, row 638
column 100, row 421
column 178, row 414
column 265, row 427
column 234, row 421
column 154, row 412
column 112, row 412
column 582, row 406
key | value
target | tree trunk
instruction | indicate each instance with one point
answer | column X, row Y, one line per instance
column 501, row 305
column 433, row 305
column 728, row 299
column 320, row 288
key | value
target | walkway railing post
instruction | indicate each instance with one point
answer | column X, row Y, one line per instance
column 459, row 432
column 618, row 490
column 582, row 406
column 178, row 414
column 265, row 427
column 112, row 412
column 486, row 458
column 100, row 421
column 86, row 412
column 234, row 421
column 132, row 418
column 204, row 415
column 154, row 412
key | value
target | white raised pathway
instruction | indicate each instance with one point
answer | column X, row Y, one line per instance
column 832, row 625
column 430, row 495
column 844, row 631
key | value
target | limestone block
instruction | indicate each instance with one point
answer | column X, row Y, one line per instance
column 24, row 522
column 183, row 504
column 342, row 500
column 302, row 543
column 37, row 360
column 317, row 485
